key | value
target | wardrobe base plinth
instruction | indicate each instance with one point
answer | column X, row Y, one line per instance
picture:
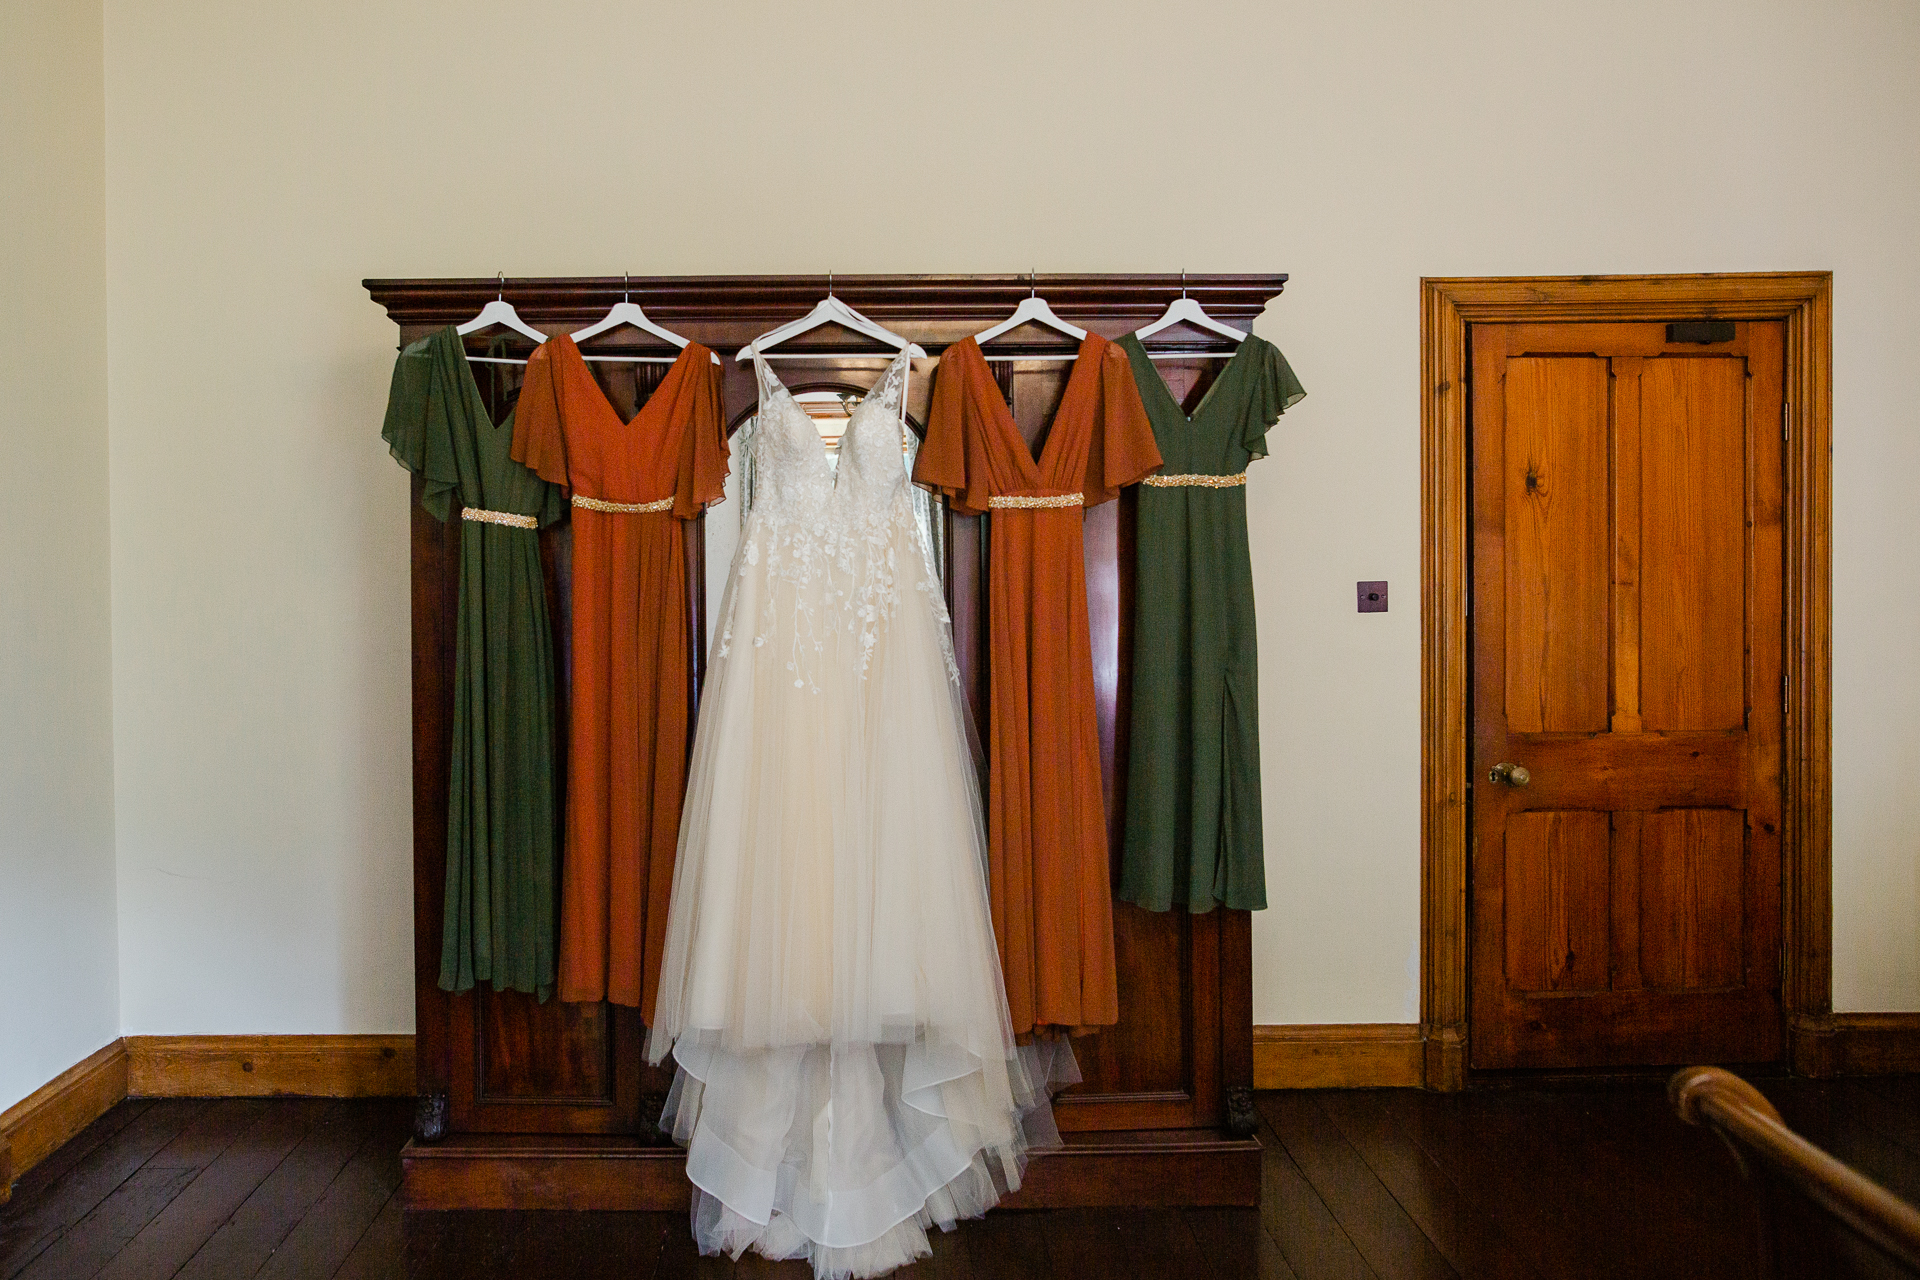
column 543, row 1171
column 1134, row 1169
column 1143, row 1169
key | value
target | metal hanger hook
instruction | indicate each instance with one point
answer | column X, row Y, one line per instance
column 1183, row 282
column 1033, row 289
column 500, row 293
column 626, row 294
column 829, row 284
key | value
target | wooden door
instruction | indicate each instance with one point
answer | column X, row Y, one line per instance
column 1626, row 615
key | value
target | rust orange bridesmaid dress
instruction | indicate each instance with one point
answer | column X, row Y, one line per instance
column 633, row 486
column 1046, row 828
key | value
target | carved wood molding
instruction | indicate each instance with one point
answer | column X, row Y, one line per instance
column 940, row 308
column 1804, row 300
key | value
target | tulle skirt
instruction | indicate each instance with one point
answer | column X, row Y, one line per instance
column 831, row 992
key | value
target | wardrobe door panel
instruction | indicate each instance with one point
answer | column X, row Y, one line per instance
column 550, row 1051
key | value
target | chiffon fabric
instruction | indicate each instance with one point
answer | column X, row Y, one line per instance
column 1047, row 832
column 631, row 710
column 1193, row 782
column 846, row 1071
column 503, row 829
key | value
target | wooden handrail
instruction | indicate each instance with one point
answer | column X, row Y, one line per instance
column 1736, row 1111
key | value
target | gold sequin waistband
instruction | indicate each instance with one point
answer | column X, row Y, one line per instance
column 621, row 508
column 1021, row 501
column 1196, row 482
column 506, row 518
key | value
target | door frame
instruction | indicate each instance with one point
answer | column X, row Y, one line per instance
column 1448, row 305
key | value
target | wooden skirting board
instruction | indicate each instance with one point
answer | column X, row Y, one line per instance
column 1876, row 1044
column 1354, row 1055
column 197, row 1067
column 1390, row 1055
column 35, row 1127
column 260, row 1066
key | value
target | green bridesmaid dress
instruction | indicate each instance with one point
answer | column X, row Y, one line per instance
column 503, row 831
column 1193, row 833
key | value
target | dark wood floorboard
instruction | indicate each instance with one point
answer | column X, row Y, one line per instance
column 83, row 1144
column 1898, row 1116
column 243, row 1243
column 1509, row 1183
column 178, row 1231
column 330, row 1229
column 1013, row 1245
column 1305, row 1231
column 92, row 1242
column 32, row 1223
column 1236, row 1245
column 1385, row 1236
column 381, row 1253
column 1466, row 1236
column 1087, row 1244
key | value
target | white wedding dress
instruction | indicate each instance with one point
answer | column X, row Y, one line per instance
column 831, row 991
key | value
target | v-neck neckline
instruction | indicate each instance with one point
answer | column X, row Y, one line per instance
column 473, row 382
column 762, row 367
column 599, row 391
column 1166, row 391
column 1036, row 463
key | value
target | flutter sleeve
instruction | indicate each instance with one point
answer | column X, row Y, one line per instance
column 1123, row 450
column 1275, row 390
column 539, row 440
column 702, row 476
column 418, row 430
column 554, row 503
column 952, row 435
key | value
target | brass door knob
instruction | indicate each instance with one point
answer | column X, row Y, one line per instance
column 1514, row 775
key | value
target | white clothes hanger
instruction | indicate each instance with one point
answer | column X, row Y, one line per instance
column 500, row 312
column 626, row 311
column 1185, row 310
column 829, row 310
column 1032, row 308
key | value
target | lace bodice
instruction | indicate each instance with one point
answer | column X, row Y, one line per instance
column 844, row 543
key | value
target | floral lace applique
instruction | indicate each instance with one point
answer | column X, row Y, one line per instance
column 832, row 544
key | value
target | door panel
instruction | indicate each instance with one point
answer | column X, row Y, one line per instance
column 1690, row 904
column 1556, row 494
column 1693, row 543
column 1558, row 900
column 1627, row 635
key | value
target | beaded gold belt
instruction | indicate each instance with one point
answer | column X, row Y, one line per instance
column 1196, row 482
column 1021, row 501
column 621, row 508
column 506, row 518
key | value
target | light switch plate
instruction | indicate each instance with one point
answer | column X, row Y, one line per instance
column 1373, row 597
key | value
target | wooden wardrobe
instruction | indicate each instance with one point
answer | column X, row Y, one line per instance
column 531, row 1106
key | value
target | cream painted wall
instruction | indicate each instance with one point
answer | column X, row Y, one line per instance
column 59, row 1000
column 262, row 158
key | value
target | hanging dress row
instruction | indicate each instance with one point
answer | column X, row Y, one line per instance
column 838, row 946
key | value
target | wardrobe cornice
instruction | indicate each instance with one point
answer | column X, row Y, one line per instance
column 939, row 307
